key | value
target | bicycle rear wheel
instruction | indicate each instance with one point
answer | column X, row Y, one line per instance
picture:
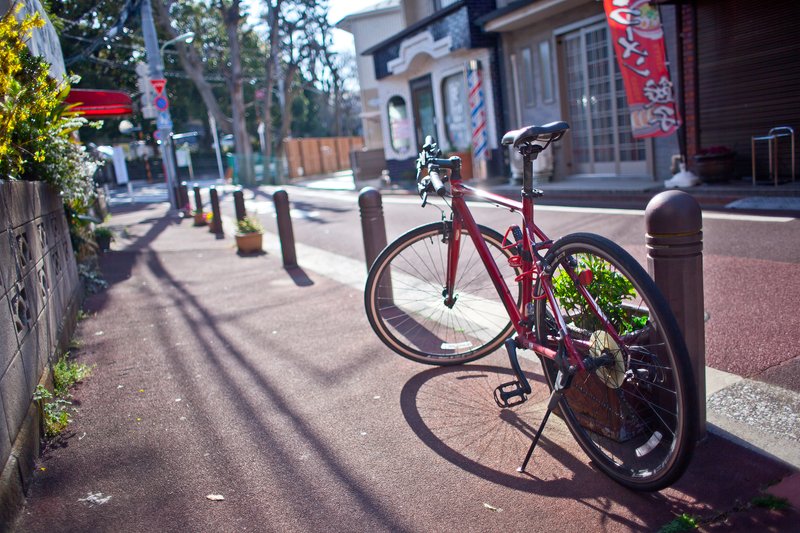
column 406, row 307
column 635, row 417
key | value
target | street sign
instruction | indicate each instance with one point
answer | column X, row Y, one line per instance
column 159, row 85
column 164, row 122
column 161, row 102
column 157, row 135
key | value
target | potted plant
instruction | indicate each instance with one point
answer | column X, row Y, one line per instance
column 249, row 235
column 103, row 236
column 715, row 163
column 199, row 218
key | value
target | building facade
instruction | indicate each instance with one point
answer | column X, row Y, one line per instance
column 367, row 29
column 437, row 77
column 559, row 64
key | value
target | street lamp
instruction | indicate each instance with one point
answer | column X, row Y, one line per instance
column 187, row 38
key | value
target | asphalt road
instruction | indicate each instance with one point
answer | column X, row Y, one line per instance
column 751, row 264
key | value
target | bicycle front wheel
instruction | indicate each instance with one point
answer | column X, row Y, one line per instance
column 635, row 417
column 405, row 300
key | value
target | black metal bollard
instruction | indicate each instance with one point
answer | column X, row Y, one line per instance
column 373, row 229
column 373, row 226
column 176, row 197
column 675, row 261
column 216, row 222
column 281, row 200
column 198, row 199
column 238, row 203
column 183, row 195
column 199, row 217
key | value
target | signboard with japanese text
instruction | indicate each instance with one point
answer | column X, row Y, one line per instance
column 639, row 45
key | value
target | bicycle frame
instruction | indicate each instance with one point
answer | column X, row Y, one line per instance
column 531, row 267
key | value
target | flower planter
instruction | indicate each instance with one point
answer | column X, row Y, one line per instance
column 714, row 168
column 199, row 219
column 249, row 243
column 103, row 242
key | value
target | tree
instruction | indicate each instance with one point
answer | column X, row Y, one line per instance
column 190, row 60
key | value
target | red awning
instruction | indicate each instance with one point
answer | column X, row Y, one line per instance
column 95, row 103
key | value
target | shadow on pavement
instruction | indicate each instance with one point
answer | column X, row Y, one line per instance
column 489, row 442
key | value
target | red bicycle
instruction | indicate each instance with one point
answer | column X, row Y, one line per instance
column 612, row 354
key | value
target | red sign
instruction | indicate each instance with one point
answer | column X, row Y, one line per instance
column 159, row 85
column 639, row 45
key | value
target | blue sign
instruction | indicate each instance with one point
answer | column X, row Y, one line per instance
column 163, row 121
column 161, row 103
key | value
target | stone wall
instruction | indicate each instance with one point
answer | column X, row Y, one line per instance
column 39, row 298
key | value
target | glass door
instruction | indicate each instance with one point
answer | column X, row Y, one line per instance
column 424, row 112
column 599, row 117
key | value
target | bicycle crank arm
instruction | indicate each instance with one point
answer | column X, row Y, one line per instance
column 514, row 392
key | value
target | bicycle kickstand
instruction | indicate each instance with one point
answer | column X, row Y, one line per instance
column 562, row 382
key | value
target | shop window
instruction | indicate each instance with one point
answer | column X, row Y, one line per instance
column 454, row 96
column 528, row 93
column 399, row 124
column 546, row 65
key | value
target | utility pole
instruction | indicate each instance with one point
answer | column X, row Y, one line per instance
column 164, row 121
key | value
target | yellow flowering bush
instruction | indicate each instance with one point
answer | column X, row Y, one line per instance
column 35, row 124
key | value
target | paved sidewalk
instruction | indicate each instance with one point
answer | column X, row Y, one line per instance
column 219, row 375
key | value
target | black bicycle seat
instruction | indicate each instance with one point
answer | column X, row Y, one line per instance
column 547, row 133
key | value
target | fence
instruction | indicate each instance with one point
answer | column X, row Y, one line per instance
column 39, row 298
column 312, row 156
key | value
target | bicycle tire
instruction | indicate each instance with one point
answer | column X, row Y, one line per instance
column 404, row 299
column 636, row 418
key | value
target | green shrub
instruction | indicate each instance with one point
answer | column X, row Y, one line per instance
column 36, row 127
column 249, row 225
column 609, row 288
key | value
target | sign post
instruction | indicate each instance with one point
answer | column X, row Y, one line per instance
column 163, row 120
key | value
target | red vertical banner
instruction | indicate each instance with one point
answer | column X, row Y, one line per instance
column 639, row 45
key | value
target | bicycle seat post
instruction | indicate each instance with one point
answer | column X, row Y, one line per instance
column 529, row 154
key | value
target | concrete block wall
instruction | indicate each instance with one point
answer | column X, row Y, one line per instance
column 40, row 295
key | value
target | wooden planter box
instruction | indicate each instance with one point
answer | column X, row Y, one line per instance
column 249, row 243
column 714, row 168
column 199, row 219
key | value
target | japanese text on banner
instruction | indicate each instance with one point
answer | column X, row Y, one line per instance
column 639, row 45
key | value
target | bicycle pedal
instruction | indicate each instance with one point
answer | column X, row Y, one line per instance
column 509, row 394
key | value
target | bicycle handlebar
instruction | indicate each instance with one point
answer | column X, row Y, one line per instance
column 436, row 182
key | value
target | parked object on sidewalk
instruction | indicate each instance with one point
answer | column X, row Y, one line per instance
column 715, row 164
column 103, row 236
column 249, row 235
column 199, row 218
column 684, row 178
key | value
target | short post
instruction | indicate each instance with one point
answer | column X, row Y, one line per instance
column 216, row 222
column 183, row 195
column 281, row 200
column 199, row 217
column 176, row 194
column 675, row 261
column 198, row 199
column 238, row 203
column 373, row 226
column 373, row 229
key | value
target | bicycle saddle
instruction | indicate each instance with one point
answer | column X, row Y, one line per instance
column 547, row 133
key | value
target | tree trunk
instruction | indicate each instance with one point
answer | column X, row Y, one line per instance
column 289, row 91
column 193, row 66
column 271, row 67
column 244, row 151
